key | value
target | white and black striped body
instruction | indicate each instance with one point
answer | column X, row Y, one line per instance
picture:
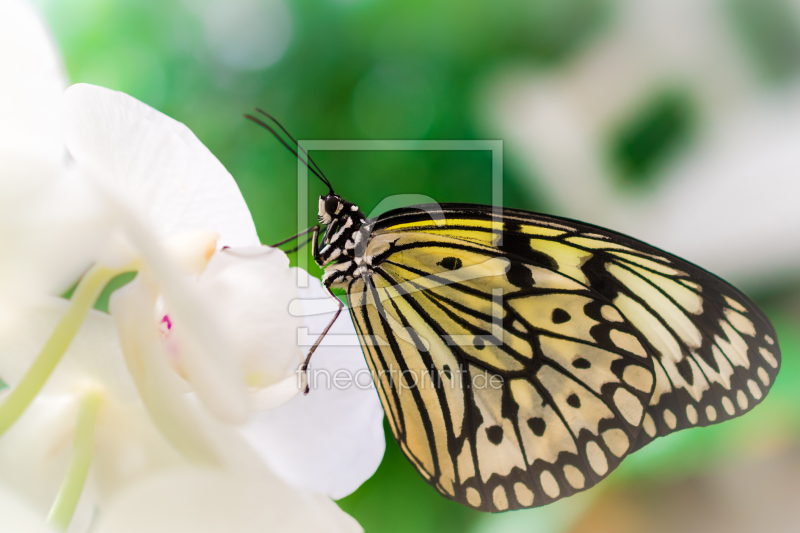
column 341, row 251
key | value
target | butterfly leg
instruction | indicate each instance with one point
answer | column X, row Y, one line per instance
column 304, row 366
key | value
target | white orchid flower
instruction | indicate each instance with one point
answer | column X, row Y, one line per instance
column 203, row 328
column 219, row 324
column 18, row 516
column 717, row 200
column 90, row 413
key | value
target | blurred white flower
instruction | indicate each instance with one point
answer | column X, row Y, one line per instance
column 137, row 476
column 37, row 451
column 210, row 501
column 18, row 516
column 50, row 221
column 726, row 201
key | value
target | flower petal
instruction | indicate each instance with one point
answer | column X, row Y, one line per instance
column 35, row 451
column 161, row 389
column 210, row 501
column 48, row 224
column 35, row 454
column 203, row 338
column 33, row 82
column 155, row 163
column 18, row 516
column 251, row 288
column 94, row 354
column 332, row 439
column 128, row 447
column 278, row 394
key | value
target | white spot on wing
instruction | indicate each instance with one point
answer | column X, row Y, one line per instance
column 741, row 399
column 523, row 494
column 727, row 404
column 740, row 322
column 617, row 441
column 768, row 357
column 754, row 389
column 627, row 342
column 610, row 314
column 500, row 498
column 736, row 305
column 597, row 458
column 466, row 466
column 638, row 377
column 549, row 484
column 473, row 497
column 711, row 413
column 670, row 419
column 574, row 477
column 629, row 406
column 763, row 376
column 691, row 414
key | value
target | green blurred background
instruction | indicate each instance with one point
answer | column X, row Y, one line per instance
column 409, row 69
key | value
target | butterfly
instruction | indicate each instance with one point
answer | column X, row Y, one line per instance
column 520, row 357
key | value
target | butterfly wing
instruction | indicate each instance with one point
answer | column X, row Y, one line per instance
column 598, row 344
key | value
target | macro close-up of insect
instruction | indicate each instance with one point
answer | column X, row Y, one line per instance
column 528, row 266
column 599, row 343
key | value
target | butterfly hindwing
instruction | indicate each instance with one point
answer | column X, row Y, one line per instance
column 507, row 384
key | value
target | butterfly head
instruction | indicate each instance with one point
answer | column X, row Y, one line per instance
column 333, row 208
column 330, row 207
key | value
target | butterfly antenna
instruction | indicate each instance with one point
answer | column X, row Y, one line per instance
column 273, row 119
column 267, row 127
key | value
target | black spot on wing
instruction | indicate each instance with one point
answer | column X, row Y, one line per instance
column 582, row 363
column 537, row 425
column 560, row 316
column 494, row 434
column 573, row 401
column 450, row 263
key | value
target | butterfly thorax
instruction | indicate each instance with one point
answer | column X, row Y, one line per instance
column 346, row 234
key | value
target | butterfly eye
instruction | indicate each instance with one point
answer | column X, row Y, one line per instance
column 331, row 205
